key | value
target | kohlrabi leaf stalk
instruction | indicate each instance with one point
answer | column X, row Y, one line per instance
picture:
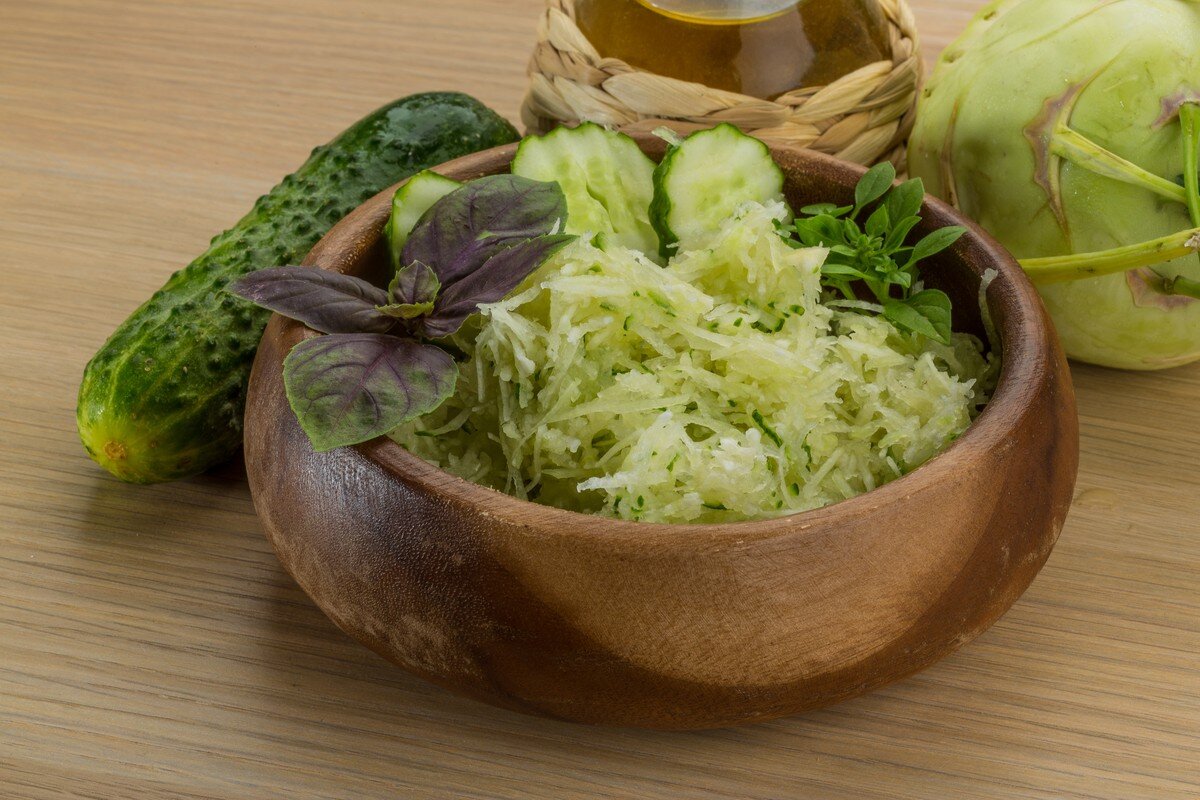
column 1055, row 269
column 1054, row 141
column 1189, row 120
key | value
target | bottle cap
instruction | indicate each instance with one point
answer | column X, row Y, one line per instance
column 718, row 11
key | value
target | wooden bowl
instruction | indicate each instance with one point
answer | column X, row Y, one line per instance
column 582, row 618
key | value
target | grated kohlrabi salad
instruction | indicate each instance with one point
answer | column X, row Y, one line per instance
column 724, row 386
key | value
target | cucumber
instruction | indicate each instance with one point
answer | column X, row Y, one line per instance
column 607, row 180
column 163, row 398
column 703, row 180
column 412, row 200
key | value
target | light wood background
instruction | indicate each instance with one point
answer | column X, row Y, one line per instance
column 150, row 645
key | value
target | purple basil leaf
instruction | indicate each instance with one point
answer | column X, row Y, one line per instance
column 414, row 285
column 468, row 226
column 325, row 301
column 350, row 388
column 498, row 276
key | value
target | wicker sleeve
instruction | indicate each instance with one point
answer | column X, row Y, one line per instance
column 863, row 117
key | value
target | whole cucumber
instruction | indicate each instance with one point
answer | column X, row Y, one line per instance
column 163, row 399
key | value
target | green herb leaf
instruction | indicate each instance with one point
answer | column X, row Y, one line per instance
column 827, row 227
column 926, row 312
column 805, row 237
column 935, row 243
column 879, row 222
column 873, row 185
column 826, row 209
column 905, row 200
column 835, row 270
column 899, row 233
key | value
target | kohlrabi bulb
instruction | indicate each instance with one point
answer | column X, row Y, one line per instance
column 1069, row 129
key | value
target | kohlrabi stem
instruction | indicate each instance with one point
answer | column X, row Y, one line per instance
column 1078, row 149
column 1189, row 118
column 1183, row 286
column 1056, row 269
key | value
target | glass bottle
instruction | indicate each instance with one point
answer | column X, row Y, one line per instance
column 761, row 48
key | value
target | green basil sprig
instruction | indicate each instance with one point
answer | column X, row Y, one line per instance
column 875, row 253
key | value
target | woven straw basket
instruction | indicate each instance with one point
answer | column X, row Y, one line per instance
column 863, row 117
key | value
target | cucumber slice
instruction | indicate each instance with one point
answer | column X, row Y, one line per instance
column 607, row 180
column 412, row 200
column 702, row 181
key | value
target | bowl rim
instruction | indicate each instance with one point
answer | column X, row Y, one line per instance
column 1025, row 343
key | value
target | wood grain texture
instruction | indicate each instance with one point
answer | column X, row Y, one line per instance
column 675, row 627
column 150, row 644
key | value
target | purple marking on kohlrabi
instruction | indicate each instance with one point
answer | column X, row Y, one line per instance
column 351, row 388
column 325, row 301
column 489, row 283
column 1172, row 104
column 465, row 228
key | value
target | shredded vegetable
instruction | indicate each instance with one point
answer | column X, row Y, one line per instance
column 718, row 388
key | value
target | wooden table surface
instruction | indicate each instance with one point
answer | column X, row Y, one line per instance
column 151, row 646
